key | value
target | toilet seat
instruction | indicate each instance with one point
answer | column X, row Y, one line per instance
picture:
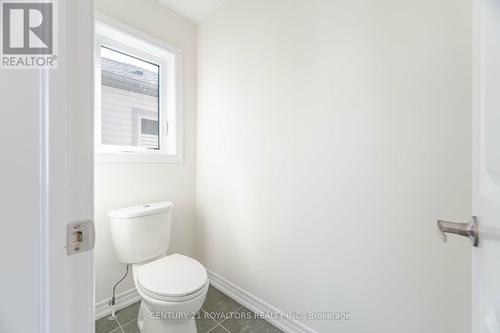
column 174, row 278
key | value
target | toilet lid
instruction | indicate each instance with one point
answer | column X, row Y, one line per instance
column 172, row 276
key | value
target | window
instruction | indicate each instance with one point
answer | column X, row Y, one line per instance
column 138, row 111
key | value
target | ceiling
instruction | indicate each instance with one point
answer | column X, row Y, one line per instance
column 195, row 10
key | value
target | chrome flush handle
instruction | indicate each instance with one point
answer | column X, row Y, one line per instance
column 468, row 230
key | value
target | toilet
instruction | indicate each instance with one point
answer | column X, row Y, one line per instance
column 172, row 287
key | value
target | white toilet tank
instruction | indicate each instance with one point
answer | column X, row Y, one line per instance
column 142, row 232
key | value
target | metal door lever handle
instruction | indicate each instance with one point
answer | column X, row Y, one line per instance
column 468, row 230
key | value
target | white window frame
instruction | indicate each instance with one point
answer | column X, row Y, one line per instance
column 120, row 37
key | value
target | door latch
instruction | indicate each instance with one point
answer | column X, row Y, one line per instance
column 468, row 230
column 80, row 237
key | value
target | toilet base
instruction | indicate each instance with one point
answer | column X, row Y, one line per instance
column 149, row 323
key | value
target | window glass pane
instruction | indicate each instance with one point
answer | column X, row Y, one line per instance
column 129, row 94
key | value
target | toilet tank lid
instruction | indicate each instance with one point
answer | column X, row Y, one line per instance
column 141, row 210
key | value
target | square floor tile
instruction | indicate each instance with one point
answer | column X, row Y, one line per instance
column 219, row 329
column 219, row 314
column 104, row 325
column 204, row 323
column 218, row 306
column 127, row 314
column 131, row 327
column 245, row 321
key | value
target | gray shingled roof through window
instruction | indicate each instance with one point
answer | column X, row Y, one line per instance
column 128, row 77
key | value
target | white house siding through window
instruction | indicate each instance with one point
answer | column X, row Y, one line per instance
column 130, row 102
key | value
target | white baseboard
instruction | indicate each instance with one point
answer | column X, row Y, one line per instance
column 243, row 297
column 257, row 305
column 122, row 300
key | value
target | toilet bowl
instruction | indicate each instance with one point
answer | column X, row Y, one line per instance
column 172, row 287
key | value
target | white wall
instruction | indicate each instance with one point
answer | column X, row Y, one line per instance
column 331, row 135
column 121, row 185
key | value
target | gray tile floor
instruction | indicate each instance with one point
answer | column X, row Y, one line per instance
column 219, row 314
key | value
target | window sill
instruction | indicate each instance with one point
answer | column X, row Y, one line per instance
column 136, row 158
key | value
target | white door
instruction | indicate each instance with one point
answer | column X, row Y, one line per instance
column 67, row 102
column 46, row 183
column 486, row 166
